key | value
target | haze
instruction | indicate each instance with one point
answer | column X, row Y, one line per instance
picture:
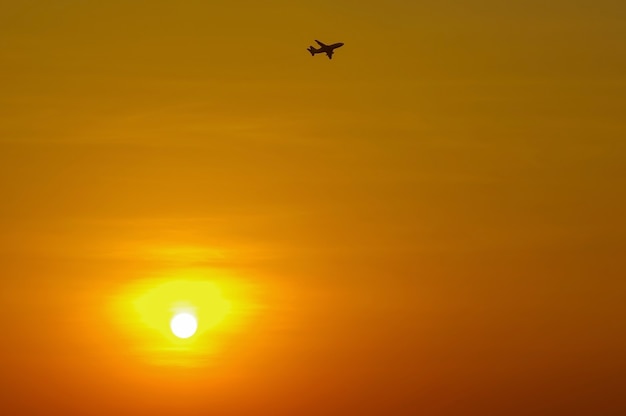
column 430, row 223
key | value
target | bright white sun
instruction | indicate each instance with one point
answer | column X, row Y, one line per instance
column 184, row 325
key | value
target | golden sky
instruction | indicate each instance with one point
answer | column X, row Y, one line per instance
column 432, row 223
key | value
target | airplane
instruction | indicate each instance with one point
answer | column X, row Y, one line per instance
column 327, row 49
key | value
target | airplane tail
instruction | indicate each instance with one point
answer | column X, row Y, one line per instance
column 312, row 50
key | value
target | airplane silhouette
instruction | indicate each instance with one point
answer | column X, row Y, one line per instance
column 327, row 49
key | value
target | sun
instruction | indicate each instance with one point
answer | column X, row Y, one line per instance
column 184, row 325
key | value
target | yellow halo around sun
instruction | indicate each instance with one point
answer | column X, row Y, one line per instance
column 181, row 321
column 182, row 308
column 184, row 325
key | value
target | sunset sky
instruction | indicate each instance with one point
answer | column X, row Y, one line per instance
column 431, row 223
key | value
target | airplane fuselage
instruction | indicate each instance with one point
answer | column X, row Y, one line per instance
column 334, row 45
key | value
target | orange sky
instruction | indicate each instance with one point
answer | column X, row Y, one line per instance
column 431, row 223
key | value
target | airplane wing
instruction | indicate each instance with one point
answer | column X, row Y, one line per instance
column 320, row 43
column 330, row 54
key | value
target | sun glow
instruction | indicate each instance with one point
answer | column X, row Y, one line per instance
column 185, row 321
column 175, row 307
